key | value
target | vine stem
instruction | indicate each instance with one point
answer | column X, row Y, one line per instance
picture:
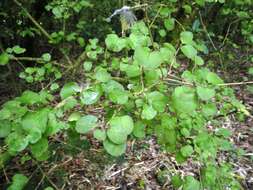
column 33, row 20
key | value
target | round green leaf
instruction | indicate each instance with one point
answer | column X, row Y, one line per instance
column 205, row 93
column 120, row 128
column 186, row 151
column 99, row 134
column 198, row 60
column 139, row 129
column 16, row 143
column 148, row 112
column 18, row 50
column 186, row 37
column 86, row 124
column 102, row 75
column 87, row 65
column 4, row 59
column 5, row 129
column 89, row 97
column 191, row 184
column 189, row 51
column 184, row 100
column 209, row 109
column 18, row 182
column 149, row 60
column 69, row 89
column 118, row 96
column 213, row 78
column 157, row 100
column 74, row 116
column 114, row 43
column 46, row 57
column 169, row 24
column 114, row 149
column 39, row 147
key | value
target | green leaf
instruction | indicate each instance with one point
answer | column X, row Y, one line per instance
column 4, row 59
column 198, row 60
column 223, row 132
column 18, row 50
column 16, row 143
column 157, row 100
column 30, row 97
column 213, row 78
column 186, row 151
column 87, row 66
column 133, row 71
column 118, row 96
column 169, row 24
column 54, row 87
column 176, row 181
column 116, row 92
column 205, row 93
column 86, row 124
column 18, row 182
column 209, row 175
column 46, row 57
column 162, row 33
column 99, row 134
column 90, row 96
column 148, row 112
column 53, row 125
column 139, row 129
column 102, row 75
column 5, row 114
column 74, row 116
column 35, row 123
column 209, row 109
column 5, row 129
column 186, row 37
column 36, row 119
column 184, row 100
column 114, row 149
column 191, row 184
column 114, row 43
column 167, row 137
column 39, row 148
column 49, row 188
column 69, row 89
column 149, row 60
column 120, row 128
column 250, row 70
column 189, row 51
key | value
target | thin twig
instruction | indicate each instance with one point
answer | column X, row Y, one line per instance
column 204, row 27
column 35, row 59
column 157, row 14
column 236, row 83
column 44, row 174
column 227, row 33
column 178, row 81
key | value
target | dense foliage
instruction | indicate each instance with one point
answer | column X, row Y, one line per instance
column 64, row 62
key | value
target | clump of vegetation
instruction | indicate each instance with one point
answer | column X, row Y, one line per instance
column 77, row 76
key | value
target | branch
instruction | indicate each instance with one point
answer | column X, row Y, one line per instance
column 236, row 83
column 35, row 59
column 33, row 20
column 204, row 27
